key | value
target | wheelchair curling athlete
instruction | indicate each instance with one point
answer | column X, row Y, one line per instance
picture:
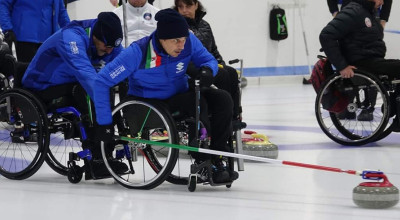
column 354, row 39
column 156, row 68
column 68, row 61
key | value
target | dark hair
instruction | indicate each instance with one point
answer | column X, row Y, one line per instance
column 200, row 8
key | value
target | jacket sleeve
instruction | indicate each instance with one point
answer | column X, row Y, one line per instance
column 5, row 14
column 385, row 11
column 333, row 6
column 73, row 50
column 214, row 49
column 336, row 30
column 125, row 64
column 63, row 18
column 201, row 57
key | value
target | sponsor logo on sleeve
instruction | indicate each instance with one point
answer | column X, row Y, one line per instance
column 117, row 71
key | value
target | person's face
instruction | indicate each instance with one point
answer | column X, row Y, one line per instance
column 101, row 47
column 173, row 47
column 378, row 3
column 137, row 3
column 188, row 11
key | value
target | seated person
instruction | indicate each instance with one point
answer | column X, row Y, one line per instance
column 227, row 77
column 65, row 63
column 354, row 39
column 384, row 10
column 156, row 69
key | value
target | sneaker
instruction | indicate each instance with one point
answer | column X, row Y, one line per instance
column 346, row 115
column 220, row 172
column 100, row 170
column 366, row 115
column 221, row 176
column 233, row 175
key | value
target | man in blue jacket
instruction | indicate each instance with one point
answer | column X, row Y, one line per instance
column 69, row 60
column 156, row 68
column 29, row 23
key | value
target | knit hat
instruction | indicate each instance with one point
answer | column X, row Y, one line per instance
column 108, row 29
column 171, row 24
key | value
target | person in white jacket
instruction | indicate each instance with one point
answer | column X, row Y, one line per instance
column 139, row 18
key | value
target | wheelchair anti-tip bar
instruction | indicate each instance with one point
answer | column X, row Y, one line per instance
column 366, row 174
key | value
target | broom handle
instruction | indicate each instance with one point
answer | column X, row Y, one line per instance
column 241, row 156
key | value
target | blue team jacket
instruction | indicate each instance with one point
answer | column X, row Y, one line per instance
column 33, row 20
column 68, row 56
column 160, row 82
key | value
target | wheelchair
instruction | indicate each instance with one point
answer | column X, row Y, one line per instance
column 340, row 102
column 32, row 133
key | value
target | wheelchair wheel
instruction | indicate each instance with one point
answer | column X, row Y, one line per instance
column 340, row 103
column 23, row 134
column 63, row 140
column 150, row 164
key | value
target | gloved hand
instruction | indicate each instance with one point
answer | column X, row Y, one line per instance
column 9, row 36
column 105, row 133
column 206, row 77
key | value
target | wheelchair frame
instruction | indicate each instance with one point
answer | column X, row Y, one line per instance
column 377, row 95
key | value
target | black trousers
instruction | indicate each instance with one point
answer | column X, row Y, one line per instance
column 26, row 50
column 215, row 113
column 227, row 79
column 380, row 66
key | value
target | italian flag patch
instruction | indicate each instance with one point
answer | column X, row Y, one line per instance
column 152, row 58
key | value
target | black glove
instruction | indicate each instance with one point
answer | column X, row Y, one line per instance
column 105, row 133
column 206, row 77
column 9, row 36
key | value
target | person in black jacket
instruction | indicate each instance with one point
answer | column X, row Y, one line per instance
column 227, row 77
column 383, row 15
column 354, row 39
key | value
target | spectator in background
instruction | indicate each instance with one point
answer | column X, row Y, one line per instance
column 384, row 11
column 29, row 23
column 139, row 18
column 117, row 3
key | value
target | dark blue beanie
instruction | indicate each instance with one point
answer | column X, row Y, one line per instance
column 108, row 29
column 170, row 24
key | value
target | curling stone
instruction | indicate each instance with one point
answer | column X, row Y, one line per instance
column 376, row 195
column 258, row 145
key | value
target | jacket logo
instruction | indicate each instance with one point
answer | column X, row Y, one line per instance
column 179, row 67
column 368, row 22
column 117, row 71
column 74, row 48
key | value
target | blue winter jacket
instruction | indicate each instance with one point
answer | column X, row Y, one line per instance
column 33, row 20
column 161, row 82
column 68, row 56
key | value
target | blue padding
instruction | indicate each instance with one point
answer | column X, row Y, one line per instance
column 275, row 71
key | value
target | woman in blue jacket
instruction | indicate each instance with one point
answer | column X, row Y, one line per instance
column 156, row 68
column 29, row 23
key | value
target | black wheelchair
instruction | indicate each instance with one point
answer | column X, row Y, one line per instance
column 340, row 102
column 31, row 133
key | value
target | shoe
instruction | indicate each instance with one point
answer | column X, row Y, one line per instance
column 233, row 175
column 366, row 115
column 100, row 170
column 346, row 115
column 221, row 174
column 306, row 81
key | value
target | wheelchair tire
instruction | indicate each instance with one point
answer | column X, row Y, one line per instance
column 60, row 147
column 23, row 134
column 153, row 163
column 348, row 128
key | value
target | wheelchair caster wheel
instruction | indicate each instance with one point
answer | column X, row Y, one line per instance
column 192, row 183
column 229, row 186
column 75, row 174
